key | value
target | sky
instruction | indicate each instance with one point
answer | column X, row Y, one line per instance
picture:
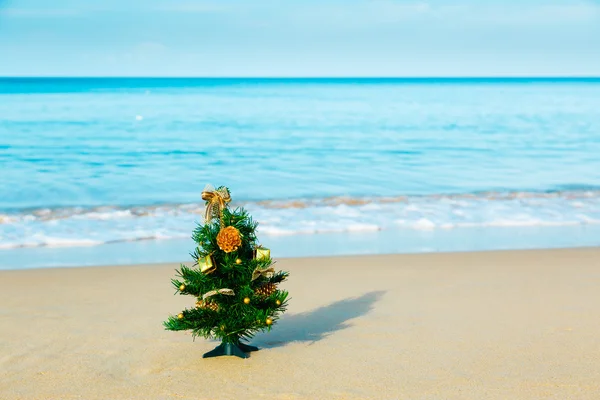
column 299, row 38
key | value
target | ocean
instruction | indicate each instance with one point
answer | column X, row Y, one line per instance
column 110, row 170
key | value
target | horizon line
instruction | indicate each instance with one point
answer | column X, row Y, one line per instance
column 302, row 77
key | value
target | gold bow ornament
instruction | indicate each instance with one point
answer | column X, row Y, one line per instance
column 216, row 201
column 227, row 292
column 266, row 272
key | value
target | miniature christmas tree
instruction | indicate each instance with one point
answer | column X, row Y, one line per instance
column 233, row 280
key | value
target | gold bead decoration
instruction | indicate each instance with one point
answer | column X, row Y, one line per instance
column 182, row 287
column 238, row 261
column 269, row 321
column 180, row 316
column 278, row 302
column 247, row 300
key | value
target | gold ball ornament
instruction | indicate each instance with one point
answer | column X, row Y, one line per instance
column 229, row 239
column 182, row 287
column 278, row 302
column 238, row 261
column 180, row 316
column 247, row 300
column 269, row 321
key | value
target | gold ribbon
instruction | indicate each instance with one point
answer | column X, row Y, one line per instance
column 216, row 200
column 227, row 292
column 266, row 272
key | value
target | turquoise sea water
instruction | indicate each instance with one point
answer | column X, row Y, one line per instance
column 97, row 171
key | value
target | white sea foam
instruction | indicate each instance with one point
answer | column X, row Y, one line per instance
column 423, row 223
column 41, row 240
column 87, row 227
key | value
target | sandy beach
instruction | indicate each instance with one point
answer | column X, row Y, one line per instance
column 489, row 325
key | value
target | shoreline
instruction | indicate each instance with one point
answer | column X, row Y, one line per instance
column 486, row 325
column 332, row 257
column 314, row 245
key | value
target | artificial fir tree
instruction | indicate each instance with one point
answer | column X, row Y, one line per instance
column 233, row 280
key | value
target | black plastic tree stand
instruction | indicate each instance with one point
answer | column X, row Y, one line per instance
column 238, row 349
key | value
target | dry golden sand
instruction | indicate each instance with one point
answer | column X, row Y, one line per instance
column 491, row 325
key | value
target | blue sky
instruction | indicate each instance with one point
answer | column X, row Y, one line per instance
column 299, row 38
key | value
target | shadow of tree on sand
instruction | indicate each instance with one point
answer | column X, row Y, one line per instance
column 312, row 326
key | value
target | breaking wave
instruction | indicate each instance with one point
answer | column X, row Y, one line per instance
column 77, row 226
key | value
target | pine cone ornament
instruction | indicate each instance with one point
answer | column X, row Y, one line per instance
column 229, row 239
column 211, row 305
column 266, row 290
